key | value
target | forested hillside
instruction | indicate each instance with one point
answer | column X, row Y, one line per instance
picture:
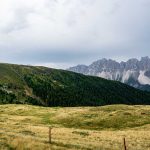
column 51, row 87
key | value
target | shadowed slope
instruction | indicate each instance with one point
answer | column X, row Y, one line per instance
column 51, row 87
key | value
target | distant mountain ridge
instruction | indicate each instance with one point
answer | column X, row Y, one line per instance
column 134, row 72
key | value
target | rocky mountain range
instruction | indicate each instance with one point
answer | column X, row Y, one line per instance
column 133, row 72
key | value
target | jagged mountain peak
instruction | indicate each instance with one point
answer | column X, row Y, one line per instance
column 80, row 69
column 146, row 58
column 133, row 72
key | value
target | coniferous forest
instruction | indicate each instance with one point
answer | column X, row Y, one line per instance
column 50, row 87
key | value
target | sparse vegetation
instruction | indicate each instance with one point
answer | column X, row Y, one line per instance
column 87, row 128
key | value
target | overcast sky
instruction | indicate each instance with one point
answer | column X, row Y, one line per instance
column 63, row 33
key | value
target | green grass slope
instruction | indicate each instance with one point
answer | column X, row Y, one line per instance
column 51, row 87
column 25, row 127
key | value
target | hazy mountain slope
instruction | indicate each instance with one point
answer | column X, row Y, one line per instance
column 51, row 87
column 133, row 72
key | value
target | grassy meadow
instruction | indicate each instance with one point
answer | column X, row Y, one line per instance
column 25, row 127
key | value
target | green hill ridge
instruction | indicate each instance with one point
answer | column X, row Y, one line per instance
column 51, row 87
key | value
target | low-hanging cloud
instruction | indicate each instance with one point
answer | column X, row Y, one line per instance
column 73, row 31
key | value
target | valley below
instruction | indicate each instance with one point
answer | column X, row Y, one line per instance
column 74, row 128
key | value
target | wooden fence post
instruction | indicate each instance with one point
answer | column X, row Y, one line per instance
column 50, row 135
column 124, row 144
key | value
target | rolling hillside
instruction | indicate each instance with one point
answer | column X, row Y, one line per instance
column 51, row 87
column 74, row 128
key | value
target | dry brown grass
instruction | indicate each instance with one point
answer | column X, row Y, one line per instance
column 26, row 127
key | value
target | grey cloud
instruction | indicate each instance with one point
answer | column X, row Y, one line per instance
column 18, row 22
column 50, row 56
column 74, row 31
